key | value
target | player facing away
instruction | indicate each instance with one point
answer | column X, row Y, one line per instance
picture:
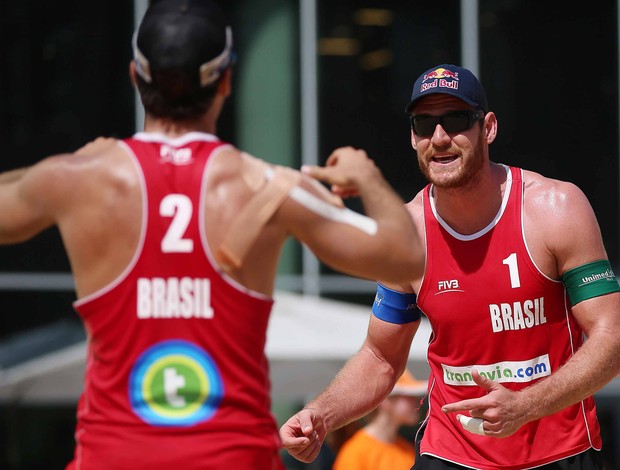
column 173, row 238
column 516, row 278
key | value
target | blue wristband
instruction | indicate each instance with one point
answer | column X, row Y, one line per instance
column 395, row 307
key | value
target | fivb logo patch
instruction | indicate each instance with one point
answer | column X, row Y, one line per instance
column 451, row 285
column 175, row 383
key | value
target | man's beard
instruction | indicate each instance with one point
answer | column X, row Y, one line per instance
column 465, row 173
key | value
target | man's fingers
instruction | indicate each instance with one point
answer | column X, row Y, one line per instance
column 306, row 427
column 473, row 425
column 477, row 403
column 482, row 381
column 292, row 443
column 312, row 450
column 304, row 449
column 465, row 405
column 324, row 173
column 313, row 170
column 309, row 423
column 328, row 175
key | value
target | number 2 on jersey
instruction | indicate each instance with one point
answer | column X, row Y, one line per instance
column 179, row 207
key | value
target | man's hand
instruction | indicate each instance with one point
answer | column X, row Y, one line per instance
column 302, row 435
column 345, row 170
column 499, row 410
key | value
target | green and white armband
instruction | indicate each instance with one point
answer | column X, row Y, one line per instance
column 590, row 280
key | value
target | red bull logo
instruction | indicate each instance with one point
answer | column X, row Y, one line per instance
column 441, row 73
column 430, row 75
column 440, row 78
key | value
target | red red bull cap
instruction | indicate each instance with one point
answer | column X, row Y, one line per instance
column 452, row 80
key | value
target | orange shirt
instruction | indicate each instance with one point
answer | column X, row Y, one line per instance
column 364, row 452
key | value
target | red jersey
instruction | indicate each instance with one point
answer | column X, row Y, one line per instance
column 176, row 374
column 492, row 309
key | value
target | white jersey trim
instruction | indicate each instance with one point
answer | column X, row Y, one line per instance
column 121, row 277
column 486, row 229
column 176, row 141
column 527, row 248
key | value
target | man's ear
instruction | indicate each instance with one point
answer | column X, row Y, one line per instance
column 132, row 72
column 490, row 127
column 413, row 142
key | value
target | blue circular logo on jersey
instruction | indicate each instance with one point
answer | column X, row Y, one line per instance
column 175, row 383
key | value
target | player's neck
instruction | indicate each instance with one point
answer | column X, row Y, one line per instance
column 470, row 209
column 178, row 128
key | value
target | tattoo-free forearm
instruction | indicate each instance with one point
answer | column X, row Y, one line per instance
column 350, row 395
column 590, row 369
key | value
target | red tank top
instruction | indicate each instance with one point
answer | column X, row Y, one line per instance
column 176, row 374
column 492, row 309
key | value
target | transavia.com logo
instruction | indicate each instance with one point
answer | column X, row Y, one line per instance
column 506, row 371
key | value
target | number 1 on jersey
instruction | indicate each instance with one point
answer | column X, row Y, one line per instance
column 513, row 270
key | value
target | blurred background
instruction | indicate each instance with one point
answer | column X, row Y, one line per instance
column 311, row 75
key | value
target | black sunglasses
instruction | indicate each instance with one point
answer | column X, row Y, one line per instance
column 453, row 123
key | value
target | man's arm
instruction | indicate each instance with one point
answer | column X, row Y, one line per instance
column 25, row 196
column 384, row 246
column 12, row 175
column 591, row 368
column 351, row 394
column 573, row 239
column 34, row 198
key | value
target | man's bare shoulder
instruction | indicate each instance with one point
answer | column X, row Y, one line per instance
column 551, row 196
column 99, row 146
column 99, row 151
column 560, row 220
column 236, row 166
column 416, row 204
column 68, row 176
column 232, row 165
column 416, row 209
